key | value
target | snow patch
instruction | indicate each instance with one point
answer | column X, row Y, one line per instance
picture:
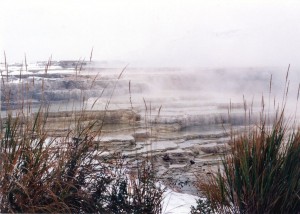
column 178, row 203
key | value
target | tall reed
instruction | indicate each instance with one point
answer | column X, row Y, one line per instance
column 261, row 173
column 42, row 173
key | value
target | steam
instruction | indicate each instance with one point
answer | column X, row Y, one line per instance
column 199, row 87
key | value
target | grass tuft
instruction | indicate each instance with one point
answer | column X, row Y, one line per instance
column 261, row 173
column 67, row 173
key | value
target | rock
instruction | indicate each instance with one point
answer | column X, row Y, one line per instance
column 116, row 139
column 166, row 158
column 214, row 148
column 161, row 128
column 121, row 116
column 141, row 135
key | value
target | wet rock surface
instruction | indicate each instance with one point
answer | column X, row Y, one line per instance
column 178, row 156
column 166, row 115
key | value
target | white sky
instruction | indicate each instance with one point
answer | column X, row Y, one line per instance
column 156, row 32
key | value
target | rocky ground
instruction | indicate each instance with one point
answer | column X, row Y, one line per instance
column 182, row 120
column 179, row 151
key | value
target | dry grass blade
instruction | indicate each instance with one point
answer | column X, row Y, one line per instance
column 41, row 173
column 91, row 55
column 261, row 173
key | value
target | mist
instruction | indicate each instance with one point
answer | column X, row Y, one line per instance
column 221, row 50
column 157, row 33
